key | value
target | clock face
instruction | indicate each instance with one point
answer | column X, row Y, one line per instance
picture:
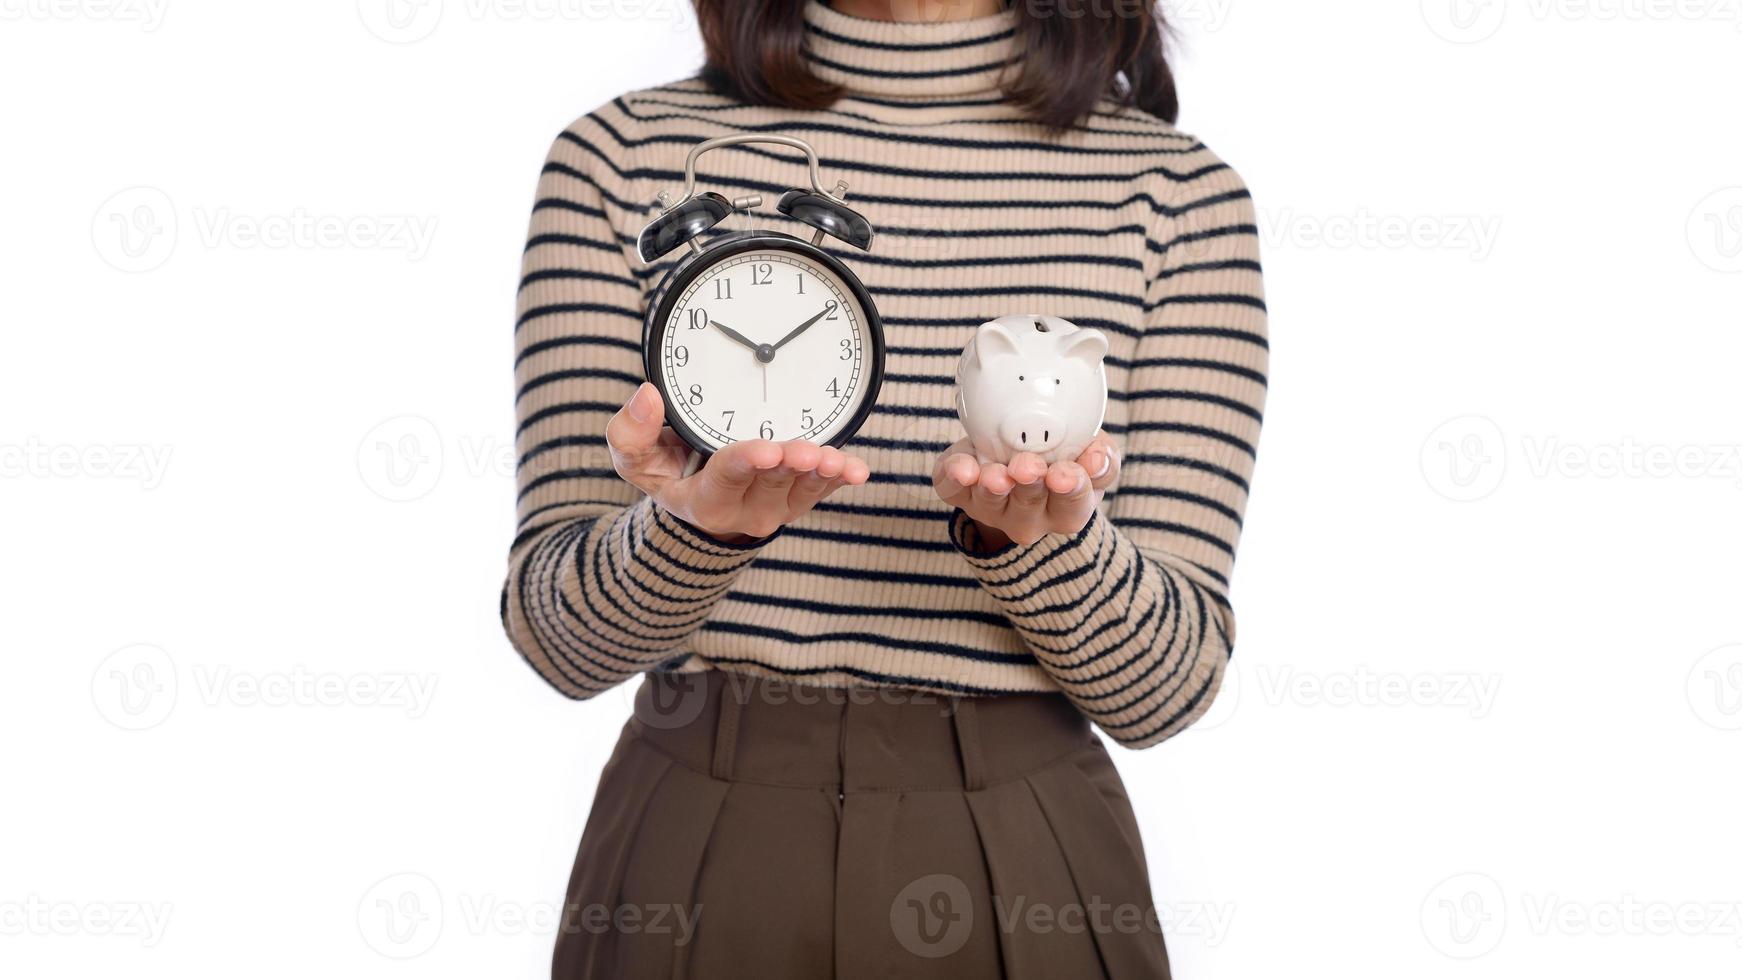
column 766, row 343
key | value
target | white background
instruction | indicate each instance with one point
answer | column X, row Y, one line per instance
column 256, row 708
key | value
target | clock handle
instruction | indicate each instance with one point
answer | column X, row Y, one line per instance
column 735, row 139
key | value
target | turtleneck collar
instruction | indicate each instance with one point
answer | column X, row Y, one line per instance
column 902, row 59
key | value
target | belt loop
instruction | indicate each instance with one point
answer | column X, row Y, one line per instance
column 967, row 724
column 726, row 733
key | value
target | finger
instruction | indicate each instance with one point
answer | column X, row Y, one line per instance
column 989, row 498
column 856, row 473
column 1026, row 515
column 1101, row 461
column 767, row 497
column 1028, row 500
column 813, row 486
column 955, row 474
column 633, row 436
column 1073, row 494
column 1027, row 468
column 716, row 493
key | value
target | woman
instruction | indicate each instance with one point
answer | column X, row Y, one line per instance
column 862, row 746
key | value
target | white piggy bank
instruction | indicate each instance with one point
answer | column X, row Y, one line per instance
column 1032, row 384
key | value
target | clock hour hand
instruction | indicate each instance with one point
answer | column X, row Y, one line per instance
column 801, row 328
column 735, row 335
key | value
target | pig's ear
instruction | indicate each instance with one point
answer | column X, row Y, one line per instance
column 993, row 340
column 1087, row 344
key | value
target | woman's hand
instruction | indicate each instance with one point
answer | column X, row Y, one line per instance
column 746, row 490
column 1025, row 500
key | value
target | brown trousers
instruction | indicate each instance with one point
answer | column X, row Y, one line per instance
column 761, row 829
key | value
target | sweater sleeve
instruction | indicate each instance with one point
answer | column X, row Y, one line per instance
column 602, row 583
column 1130, row 616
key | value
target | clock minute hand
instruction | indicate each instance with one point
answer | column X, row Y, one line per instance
column 735, row 335
column 801, row 328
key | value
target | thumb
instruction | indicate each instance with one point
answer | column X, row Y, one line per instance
column 633, row 433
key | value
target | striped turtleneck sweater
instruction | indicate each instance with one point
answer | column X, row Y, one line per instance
column 1121, row 223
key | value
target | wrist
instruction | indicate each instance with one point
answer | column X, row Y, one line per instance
column 987, row 538
column 728, row 539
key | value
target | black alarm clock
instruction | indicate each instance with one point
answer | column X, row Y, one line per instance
column 759, row 334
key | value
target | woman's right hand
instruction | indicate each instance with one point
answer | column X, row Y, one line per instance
column 746, row 490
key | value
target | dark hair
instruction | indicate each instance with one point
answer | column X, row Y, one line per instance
column 1070, row 60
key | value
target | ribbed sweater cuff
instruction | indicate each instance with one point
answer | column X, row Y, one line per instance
column 1046, row 584
column 682, row 551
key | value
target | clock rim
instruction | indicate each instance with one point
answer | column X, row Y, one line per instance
column 691, row 268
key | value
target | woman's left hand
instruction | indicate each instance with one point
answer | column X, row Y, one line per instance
column 1025, row 500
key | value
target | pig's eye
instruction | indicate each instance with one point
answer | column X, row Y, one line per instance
column 1022, row 377
column 1058, row 381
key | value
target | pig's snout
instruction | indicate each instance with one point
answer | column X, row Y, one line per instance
column 1032, row 431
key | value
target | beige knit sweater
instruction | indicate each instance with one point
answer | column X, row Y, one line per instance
column 1122, row 223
